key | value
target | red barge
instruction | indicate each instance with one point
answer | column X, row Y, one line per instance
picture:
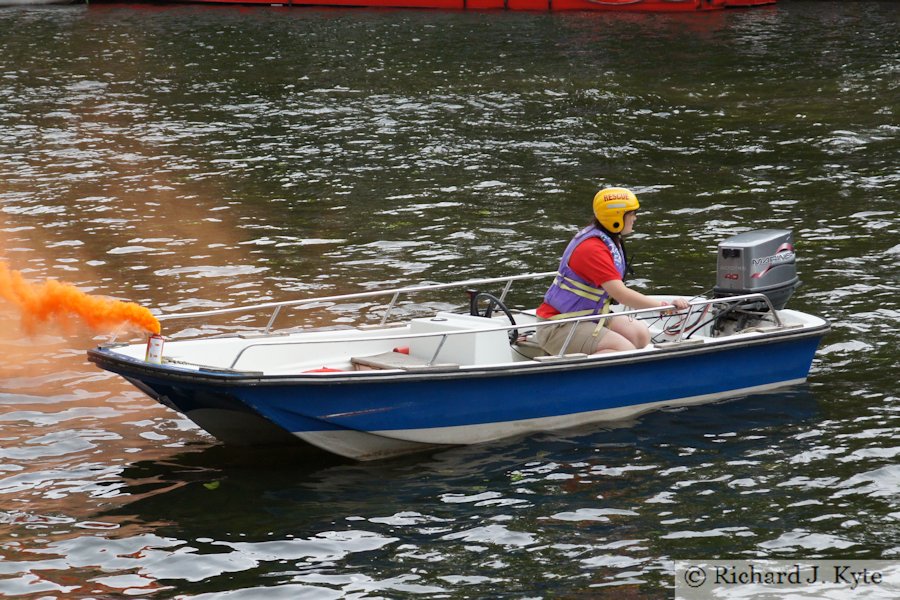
column 527, row 5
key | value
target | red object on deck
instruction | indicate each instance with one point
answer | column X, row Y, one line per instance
column 402, row 350
column 324, row 370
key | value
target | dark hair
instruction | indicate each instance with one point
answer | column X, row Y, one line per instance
column 617, row 238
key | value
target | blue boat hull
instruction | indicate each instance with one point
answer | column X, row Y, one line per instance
column 372, row 416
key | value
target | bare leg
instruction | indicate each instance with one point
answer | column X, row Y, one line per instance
column 613, row 342
column 632, row 330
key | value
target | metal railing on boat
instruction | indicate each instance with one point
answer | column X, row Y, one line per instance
column 394, row 293
column 692, row 306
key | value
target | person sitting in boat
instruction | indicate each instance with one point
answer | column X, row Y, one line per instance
column 590, row 275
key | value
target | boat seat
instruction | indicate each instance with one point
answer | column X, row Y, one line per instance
column 527, row 342
column 526, row 346
column 397, row 360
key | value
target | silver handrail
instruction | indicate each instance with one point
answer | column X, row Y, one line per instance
column 437, row 350
column 272, row 319
column 445, row 334
column 354, row 296
column 684, row 323
column 390, row 307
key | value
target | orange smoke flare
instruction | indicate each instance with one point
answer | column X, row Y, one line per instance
column 41, row 302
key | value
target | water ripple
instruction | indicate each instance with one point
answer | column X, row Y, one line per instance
column 349, row 150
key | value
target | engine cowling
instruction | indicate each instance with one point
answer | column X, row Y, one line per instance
column 761, row 261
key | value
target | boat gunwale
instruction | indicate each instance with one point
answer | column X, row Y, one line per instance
column 705, row 302
column 104, row 357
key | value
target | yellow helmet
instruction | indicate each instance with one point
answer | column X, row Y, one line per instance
column 610, row 206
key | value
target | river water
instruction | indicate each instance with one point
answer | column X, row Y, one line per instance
column 191, row 157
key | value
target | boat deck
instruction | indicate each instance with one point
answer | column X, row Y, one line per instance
column 445, row 341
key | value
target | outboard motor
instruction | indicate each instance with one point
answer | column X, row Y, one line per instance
column 761, row 261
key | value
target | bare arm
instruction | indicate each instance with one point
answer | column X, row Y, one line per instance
column 623, row 294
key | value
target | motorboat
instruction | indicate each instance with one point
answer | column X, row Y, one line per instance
column 469, row 371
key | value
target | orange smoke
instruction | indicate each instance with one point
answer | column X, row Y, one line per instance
column 53, row 300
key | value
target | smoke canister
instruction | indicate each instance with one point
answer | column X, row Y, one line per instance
column 155, row 348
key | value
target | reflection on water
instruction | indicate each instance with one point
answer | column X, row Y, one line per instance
column 196, row 157
column 595, row 508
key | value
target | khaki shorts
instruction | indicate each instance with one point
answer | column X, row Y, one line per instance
column 586, row 338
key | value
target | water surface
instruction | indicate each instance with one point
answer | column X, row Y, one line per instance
column 189, row 157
